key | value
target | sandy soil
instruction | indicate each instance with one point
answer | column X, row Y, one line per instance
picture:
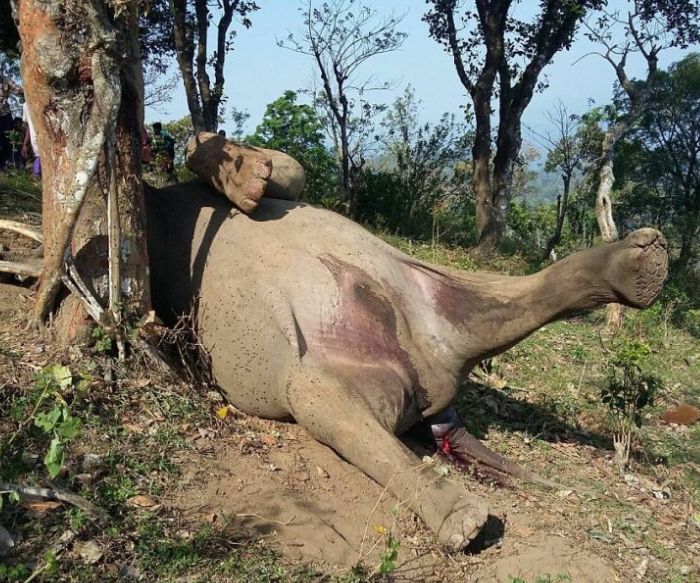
column 273, row 480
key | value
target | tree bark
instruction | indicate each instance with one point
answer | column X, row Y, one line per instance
column 603, row 212
column 191, row 48
column 81, row 73
column 689, row 237
column 184, row 51
column 562, row 207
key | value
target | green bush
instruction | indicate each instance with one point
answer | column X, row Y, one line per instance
column 692, row 322
column 630, row 388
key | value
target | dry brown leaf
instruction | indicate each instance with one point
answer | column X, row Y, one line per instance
column 40, row 506
column 141, row 501
column 269, row 440
column 522, row 531
column 90, row 552
column 132, row 427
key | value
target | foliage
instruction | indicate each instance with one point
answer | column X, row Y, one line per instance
column 48, row 410
column 529, row 228
column 340, row 36
column 659, row 162
column 239, row 119
column 10, row 36
column 103, row 342
column 417, row 187
column 156, row 35
column 296, row 129
column 629, row 390
column 387, row 560
column 181, row 130
column 692, row 319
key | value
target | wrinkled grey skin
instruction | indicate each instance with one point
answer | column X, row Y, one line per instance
column 309, row 317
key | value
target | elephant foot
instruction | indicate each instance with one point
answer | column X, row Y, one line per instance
column 254, row 170
column 638, row 266
column 242, row 173
column 455, row 516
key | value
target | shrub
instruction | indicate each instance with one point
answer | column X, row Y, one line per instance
column 629, row 389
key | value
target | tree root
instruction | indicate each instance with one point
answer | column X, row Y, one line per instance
column 28, row 268
column 23, row 229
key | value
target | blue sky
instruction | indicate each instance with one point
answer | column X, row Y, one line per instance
column 258, row 71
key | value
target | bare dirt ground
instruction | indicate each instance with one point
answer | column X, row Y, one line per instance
column 279, row 483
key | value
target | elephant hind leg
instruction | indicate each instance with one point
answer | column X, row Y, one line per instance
column 339, row 418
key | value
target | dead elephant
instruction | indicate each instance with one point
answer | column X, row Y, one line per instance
column 308, row 317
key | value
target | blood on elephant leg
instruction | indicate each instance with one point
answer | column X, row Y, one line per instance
column 454, row 441
column 337, row 417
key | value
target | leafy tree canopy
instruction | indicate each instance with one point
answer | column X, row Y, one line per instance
column 295, row 128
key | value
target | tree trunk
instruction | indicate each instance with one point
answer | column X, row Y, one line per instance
column 689, row 237
column 562, row 204
column 486, row 223
column 82, row 80
column 604, row 216
column 184, row 51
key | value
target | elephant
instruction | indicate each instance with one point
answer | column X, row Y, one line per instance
column 308, row 317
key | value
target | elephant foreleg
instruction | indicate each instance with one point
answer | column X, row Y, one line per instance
column 338, row 417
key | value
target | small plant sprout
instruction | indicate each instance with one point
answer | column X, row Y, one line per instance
column 628, row 391
column 388, row 558
column 51, row 414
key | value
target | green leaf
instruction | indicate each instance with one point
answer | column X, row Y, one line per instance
column 55, row 457
column 14, row 496
column 61, row 375
column 69, row 428
column 51, row 563
column 47, row 421
column 84, row 382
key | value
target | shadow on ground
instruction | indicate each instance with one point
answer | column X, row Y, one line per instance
column 482, row 407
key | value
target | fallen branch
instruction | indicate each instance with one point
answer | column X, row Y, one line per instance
column 71, row 278
column 94, row 513
column 29, row 268
column 23, row 229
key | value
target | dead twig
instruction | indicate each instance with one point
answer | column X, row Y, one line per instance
column 30, row 268
column 253, row 515
column 94, row 513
